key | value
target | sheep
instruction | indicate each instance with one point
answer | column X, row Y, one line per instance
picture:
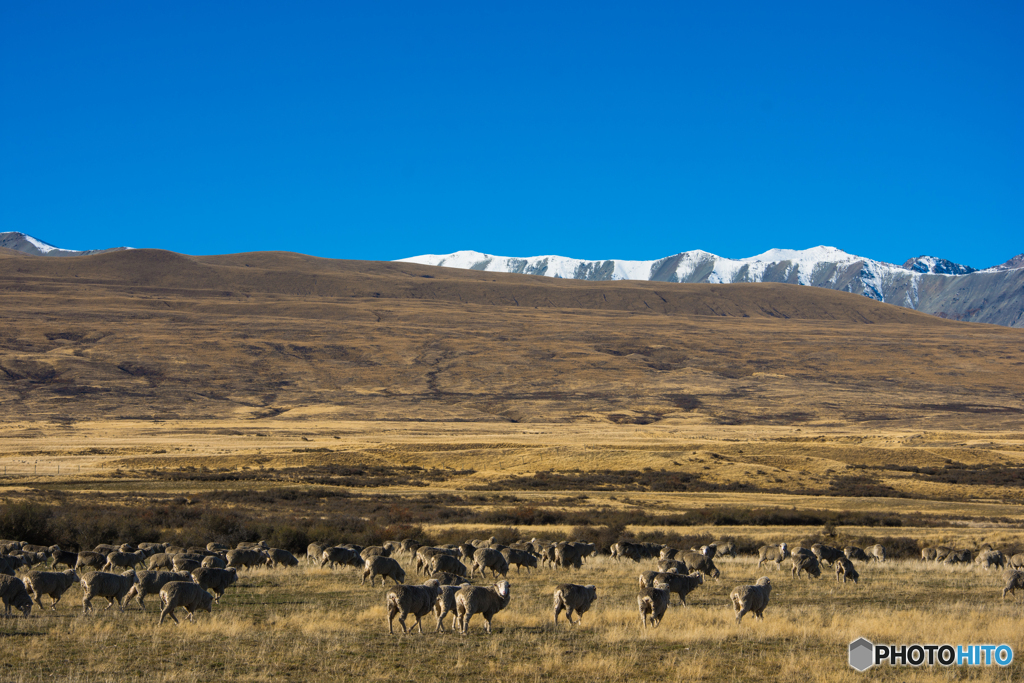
column 652, row 602
column 852, row 552
column 340, row 556
column 150, row 583
column 214, row 546
column 214, row 561
column 159, row 561
column 122, row 560
column 519, row 558
column 991, row 558
column 725, row 548
column 6, row 546
column 574, row 598
column 772, row 553
column 547, row 556
column 876, row 552
column 88, row 559
column 1017, row 561
column 393, row 547
column 668, row 553
column 845, row 570
column 408, row 546
column 64, row 557
column 488, row 558
column 217, row 580
column 279, row 556
column 424, row 554
column 189, row 596
column 444, row 605
column 752, row 599
column 183, row 563
column 568, row 556
column 251, row 545
column 384, row 567
column 247, row 557
column 487, row 602
column 373, row 551
column 958, row 557
column 418, row 601
column 13, row 594
column 10, row 563
column 1014, row 580
column 673, row 566
column 826, row 553
column 446, row 579
column 447, row 564
column 113, row 587
column 680, row 584
column 699, row 562
column 627, row 550
column 928, row 554
column 53, row 584
column 314, row 551
column 806, row 563
column 105, row 549
column 33, row 558
column 585, row 549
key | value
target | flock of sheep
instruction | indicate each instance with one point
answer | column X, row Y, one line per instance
column 195, row 578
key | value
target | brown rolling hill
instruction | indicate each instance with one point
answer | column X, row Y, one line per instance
column 154, row 334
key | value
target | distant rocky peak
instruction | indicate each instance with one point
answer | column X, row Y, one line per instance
column 939, row 266
column 1013, row 264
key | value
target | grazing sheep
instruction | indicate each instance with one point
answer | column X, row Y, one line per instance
column 13, row 594
column 53, row 584
column 64, row 557
column 250, row 545
column 826, row 553
column 568, row 556
column 854, row 553
column 247, row 557
column 699, row 562
column 806, row 563
column 928, row 554
column 628, row 550
column 680, row 584
column 673, row 566
column 314, row 551
column 447, row 564
column 668, row 553
column 393, row 547
column 113, row 587
column 845, row 570
column 520, row 558
column 418, row 601
column 217, row 580
column 384, row 567
column 88, row 559
column 876, row 552
column 574, row 598
column 488, row 558
column 279, row 556
column 725, row 548
column 374, row 551
column 9, row 564
column 409, row 546
column 772, row 553
column 1017, row 561
column 189, row 596
column 958, row 557
column 487, row 602
column 991, row 558
column 340, row 556
column 753, row 599
column 150, row 583
column 652, row 602
column 941, row 552
column 1014, row 580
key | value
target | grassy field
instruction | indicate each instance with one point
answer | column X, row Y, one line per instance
column 310, row 624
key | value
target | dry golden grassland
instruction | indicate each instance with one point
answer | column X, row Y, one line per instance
column 310, row 624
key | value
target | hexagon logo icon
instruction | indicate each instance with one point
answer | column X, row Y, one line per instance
column 862, row 654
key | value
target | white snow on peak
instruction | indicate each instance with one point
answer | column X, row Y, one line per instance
column 821, row 253
column 41, row 246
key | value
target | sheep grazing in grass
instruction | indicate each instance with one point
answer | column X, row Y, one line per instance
column 668, row 553
column 568, row 556
column 447, row 564
column 958, row 557
column 854, row 553
column 217, row 580
column 826, row 553
column 753, row 599
column 680, row 584
column 247, row 557
column 574, row 598
column 418, row 601
column 446, row 579
column 806, row 563
column 314, row 551
column 652, row 602
column 488, row 558
column 625, row 549
column 340, row 556
column 991, row 558
column 113, row 587
column 279, row 556
column 150, row 583
column 845, row 570
column 725, row 548
column 699, row 562
column 408, row 546
column 1016, row 561
column 876, row 552
column 487, row 602
column 520, row 558
column 384, row 567
column 772, row 553
column 673, row 566
column 189, row 596
column 1014, row 579
column 89, row 559
column 53, row 584
column 13, row 594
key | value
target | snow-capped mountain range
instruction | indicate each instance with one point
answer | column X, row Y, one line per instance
column 19, row 241
column 925, row 283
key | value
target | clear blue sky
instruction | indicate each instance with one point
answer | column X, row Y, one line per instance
column 379, row 130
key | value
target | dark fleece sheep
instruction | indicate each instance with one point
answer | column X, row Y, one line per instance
column 13, row 594
column 53, row 584
column 652, row 602
column 845, row 570
column 806, row 563
column 418, row 601
column 752, row 599
column 520, row 558
column 340, row 556
column 574, row 598
column 187, row 595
